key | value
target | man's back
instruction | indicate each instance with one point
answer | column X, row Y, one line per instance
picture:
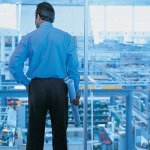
column 48, row 48
column 51, row 54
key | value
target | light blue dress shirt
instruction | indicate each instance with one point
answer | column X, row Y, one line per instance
column 51, row 54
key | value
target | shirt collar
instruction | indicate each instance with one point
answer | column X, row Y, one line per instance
column 46, row 23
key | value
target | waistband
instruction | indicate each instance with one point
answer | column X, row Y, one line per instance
column 59, row 79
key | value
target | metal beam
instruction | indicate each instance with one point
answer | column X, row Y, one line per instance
column 13, row 93
column 78, row 2
column 129, row 135
column 96, row 92
column 86, row 7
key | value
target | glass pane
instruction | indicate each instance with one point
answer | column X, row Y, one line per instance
column 141, row 19
column 118, row 66
column 14, row 101
column 119, row 18
column 118, row 63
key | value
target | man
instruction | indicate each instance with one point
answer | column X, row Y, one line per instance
column 52, row 57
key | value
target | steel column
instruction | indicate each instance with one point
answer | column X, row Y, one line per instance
column 129, row 132
column 85, row 71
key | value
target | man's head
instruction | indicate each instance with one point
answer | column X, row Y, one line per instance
column 44, row 12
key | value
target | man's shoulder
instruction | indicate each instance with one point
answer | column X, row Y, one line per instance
column 30, row 34
column 57, row 30
column 62, row 32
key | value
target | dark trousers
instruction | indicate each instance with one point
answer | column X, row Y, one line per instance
column 47, row 95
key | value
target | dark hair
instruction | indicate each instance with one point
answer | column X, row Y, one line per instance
column 45, row 11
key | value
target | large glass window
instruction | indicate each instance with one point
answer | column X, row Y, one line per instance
column 17, row 121
column 118, row 75
column 117, row 63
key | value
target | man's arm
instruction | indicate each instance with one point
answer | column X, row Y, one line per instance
column 72, row 67
column 17, row 60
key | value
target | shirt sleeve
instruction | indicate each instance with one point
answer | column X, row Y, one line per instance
column 16, row 64
column 72, row 63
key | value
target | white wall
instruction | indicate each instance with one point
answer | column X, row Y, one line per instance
column 8, row 16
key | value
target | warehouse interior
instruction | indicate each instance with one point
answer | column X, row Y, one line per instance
column 112, row 38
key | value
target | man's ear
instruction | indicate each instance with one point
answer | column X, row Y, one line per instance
column 39, row 18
